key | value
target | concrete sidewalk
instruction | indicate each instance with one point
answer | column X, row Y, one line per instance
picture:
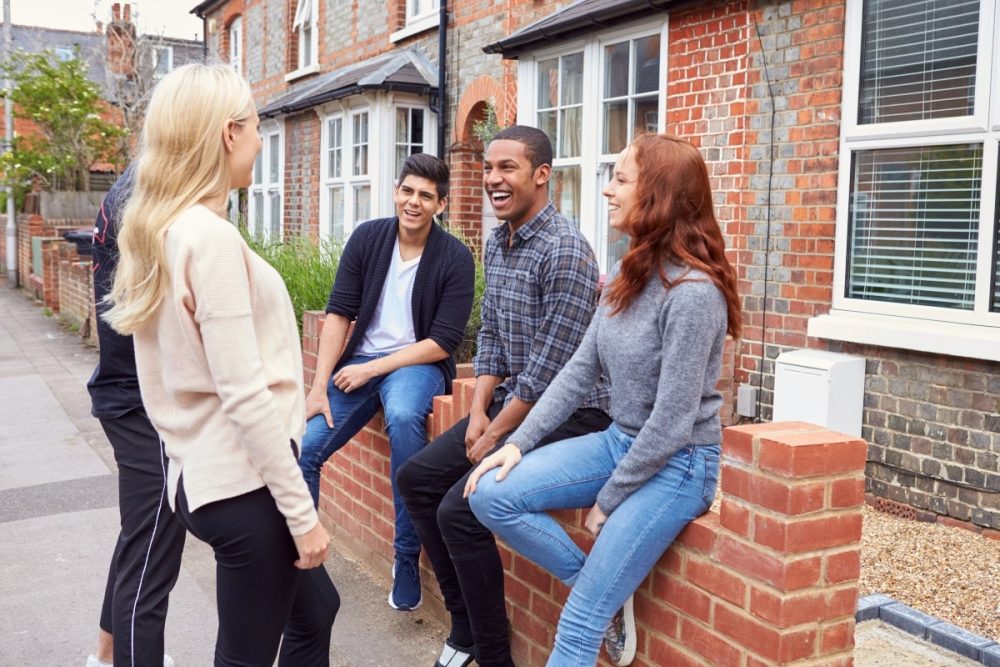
column 59, row 521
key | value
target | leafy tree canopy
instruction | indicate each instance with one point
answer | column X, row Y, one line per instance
column 66, row 108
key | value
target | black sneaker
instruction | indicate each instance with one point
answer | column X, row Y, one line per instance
column 619, row 638
column 453, row 655
column 405, row 594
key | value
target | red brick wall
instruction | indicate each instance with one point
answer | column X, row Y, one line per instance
column 76, row 292
column 302, row 145
column 769, row 579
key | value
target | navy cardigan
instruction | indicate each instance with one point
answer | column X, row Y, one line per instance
column 442, row 289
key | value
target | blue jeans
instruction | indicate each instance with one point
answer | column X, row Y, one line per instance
column 569, row 474
column 406, row 397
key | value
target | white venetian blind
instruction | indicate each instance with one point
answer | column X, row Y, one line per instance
column 914, row 220
column 918, row 59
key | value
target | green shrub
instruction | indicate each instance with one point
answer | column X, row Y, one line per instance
column 467, row 350
column 308, row 269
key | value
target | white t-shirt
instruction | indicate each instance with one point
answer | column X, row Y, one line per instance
column 391, row 328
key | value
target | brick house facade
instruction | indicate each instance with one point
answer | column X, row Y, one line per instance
column 808, row 127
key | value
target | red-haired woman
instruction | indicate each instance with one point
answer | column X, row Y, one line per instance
column 657, row 336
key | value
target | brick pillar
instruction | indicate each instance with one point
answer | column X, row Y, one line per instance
column 773, row 578
column 465, row 202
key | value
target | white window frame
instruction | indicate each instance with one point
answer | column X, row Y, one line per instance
column 948, row 331
column 306, row 12
column 267, row 188
column 382, row 169
column 236, row 44
column 593, row 172
column 418, row 18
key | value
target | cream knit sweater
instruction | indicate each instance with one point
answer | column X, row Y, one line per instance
column 220, row 371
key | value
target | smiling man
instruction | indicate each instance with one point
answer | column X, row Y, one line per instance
column 407, row 285
column 541, row 291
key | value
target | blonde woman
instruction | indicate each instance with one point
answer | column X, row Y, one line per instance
column 220, row 370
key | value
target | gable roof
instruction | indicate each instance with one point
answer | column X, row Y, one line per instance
column 405, row 70
column 577, row 18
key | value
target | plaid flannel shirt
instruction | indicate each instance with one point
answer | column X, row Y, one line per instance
column 541, row 292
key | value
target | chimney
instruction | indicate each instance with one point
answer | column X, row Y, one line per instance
column 121, row 42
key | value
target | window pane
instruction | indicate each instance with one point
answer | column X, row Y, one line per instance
column 275, row 202
column 571, row 132
column 616, row 70
column 337, row 213
column 564, row 191
column 258, row 215
column 401, row 153
column 548, row 83
column 918, row 59
column 402, row 124
column 615, row 126
column 362, row 202
column 417, row 129
column 360, row 144
column 647, row 64
column 272, row 160
column 646, row 115
column 572, row 79
column 914, row 220
column 305, row 44
column 547, row 123
column 258, row 167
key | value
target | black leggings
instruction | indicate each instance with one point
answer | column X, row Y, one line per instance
column 259, row 592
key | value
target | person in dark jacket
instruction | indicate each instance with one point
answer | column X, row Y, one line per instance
column 407, row 284
column 147, row 555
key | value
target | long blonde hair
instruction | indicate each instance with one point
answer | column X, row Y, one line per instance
column 181, row 161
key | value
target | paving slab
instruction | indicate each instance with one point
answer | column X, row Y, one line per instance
column 880, row 645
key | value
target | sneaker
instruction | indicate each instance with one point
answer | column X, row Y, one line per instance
column 94, row 661
column 405, row 594
column 453, row 655
column 619, row 638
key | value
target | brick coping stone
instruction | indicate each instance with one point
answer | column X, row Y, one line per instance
column 946, row 635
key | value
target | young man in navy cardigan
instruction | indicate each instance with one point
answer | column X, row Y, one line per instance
column 407, row 285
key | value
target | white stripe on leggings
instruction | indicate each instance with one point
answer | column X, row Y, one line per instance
column 149, row 550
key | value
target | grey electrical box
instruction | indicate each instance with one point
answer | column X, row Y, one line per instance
column 746, row 400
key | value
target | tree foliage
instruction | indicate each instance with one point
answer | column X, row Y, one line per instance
column 66, row 108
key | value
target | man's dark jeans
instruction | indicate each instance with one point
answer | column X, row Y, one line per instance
column 461, row 550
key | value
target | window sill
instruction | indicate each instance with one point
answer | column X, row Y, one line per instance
column 301, row 72
column 416, row 27
column 958, row 340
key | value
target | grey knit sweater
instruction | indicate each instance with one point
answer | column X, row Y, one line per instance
column 663, row 357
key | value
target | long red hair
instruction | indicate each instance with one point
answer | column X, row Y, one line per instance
column 672, row 220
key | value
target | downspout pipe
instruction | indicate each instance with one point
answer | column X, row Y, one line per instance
column 11, row 227
column 442, row 96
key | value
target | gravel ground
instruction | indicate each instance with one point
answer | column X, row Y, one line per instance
column 950, row 573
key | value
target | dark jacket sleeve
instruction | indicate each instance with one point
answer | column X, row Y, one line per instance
column 348, row 286
column 457, row 293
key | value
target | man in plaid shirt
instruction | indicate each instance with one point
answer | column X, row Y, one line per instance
column 541, row 282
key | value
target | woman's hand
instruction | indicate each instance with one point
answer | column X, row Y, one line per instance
column 595, row 520
column 312, row 547
column 506, row 458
